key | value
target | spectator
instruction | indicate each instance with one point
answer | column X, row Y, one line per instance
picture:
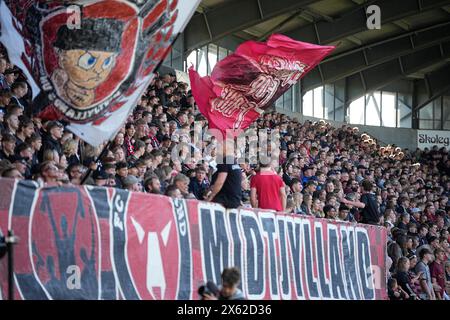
column 231, row 277
column 152, row 185
column 404, row 220
column 11, row 172
column 395, row 292
column 100, row 178
column 10, row 77
column 296, row 186
column 403, row 278
column 425, row 258
column 267, row 189
column 174, row 192
column 121, row 173
column 131, row 183
column 307, row 204
column 25, row 130
column 75, row 173
column 8, row 147
column 49, row 173
column 19, row 90
column 370, row 213
column 52, row 139
column 423, row 232
column 226, row 183
column 182, row 183
column 138, row 151
column 437, row 272
column 330, row 212
column 198, row 185
column 3, row 65
column 70, row 150
column 11, row 123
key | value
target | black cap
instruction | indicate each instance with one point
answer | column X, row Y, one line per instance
column 101, row 34
column 10, row 71
column 172, row 105
column 20, row 159
column 100, row 175
column 121, row 165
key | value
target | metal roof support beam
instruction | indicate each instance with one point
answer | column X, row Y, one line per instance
column 233, row 16
column 348, row 63
column 378, row 76
column 356, row 21
column 437, row 83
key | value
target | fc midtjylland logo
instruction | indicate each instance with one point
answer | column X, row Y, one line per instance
column 151, row 253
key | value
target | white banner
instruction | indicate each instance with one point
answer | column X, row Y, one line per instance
column 430, row 138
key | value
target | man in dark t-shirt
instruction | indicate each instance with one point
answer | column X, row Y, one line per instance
column 370, row 212
column 226, row 182
column 226, row 186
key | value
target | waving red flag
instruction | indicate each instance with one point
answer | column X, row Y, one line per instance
column 245, row 83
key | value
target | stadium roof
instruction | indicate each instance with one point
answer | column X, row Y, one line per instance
column 413, row 42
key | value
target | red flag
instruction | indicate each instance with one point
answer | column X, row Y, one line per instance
column 245, row 83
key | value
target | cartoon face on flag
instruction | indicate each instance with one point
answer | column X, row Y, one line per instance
column 245, row 83
column 88, row 62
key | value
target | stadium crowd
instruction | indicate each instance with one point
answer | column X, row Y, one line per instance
column 322, row 171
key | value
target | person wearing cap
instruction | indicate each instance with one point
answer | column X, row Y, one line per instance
column 307, row 175
column 109, row 168
column 10, row 77
column 121, row 173
column 131, row 183
column 422, row 268
column 415, row 215
column 100, row 178
column 22, row 166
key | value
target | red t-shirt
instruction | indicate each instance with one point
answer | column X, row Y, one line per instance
column 267, row 187
column 437, row 271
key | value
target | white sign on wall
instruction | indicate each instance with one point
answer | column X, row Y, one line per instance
column 430, row 138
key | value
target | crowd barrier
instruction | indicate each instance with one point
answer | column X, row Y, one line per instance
column 99, row 243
